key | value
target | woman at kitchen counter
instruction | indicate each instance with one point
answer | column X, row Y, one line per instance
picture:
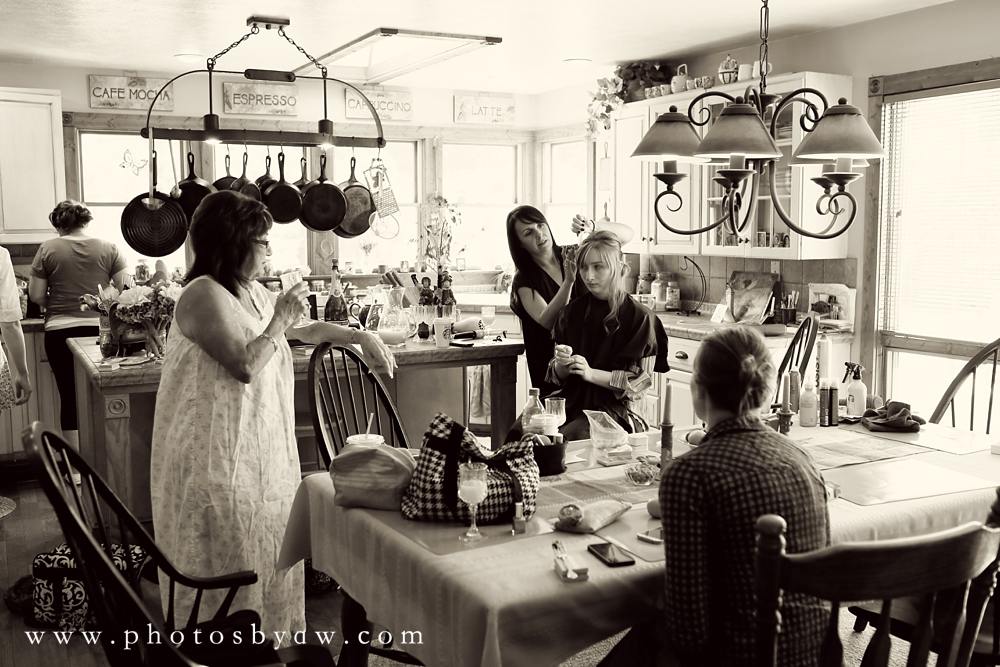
column 601, row 339
column 14, row 386
column 64, row 269
column 224, row 464
column 710, row 500
column 544, row 279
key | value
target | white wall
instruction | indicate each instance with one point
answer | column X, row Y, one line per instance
column 947, row 34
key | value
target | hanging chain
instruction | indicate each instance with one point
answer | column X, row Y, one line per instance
column 765, row 20
column 319, row 66
column 253, row 31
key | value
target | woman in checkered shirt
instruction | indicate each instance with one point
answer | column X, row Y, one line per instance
column 710, row 500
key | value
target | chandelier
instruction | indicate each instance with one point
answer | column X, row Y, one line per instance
column 836, row 136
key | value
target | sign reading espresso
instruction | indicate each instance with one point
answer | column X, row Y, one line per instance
column 481, row 110
column 129, row 92
column 389, row 104
column 272, row 99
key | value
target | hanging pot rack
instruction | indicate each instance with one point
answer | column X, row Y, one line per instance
column 213, row 133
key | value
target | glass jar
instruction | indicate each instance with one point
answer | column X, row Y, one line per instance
column 659, row 290
column 672, row 300
column 644, row 284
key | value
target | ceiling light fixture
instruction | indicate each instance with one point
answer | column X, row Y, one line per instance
column 189, row 58
column 837, row 135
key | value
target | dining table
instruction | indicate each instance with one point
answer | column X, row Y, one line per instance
column 501, row 603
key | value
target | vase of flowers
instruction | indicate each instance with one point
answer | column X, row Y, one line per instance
column 152, row 310
column 101, row 303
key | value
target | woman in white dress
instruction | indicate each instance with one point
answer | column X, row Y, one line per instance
column 225, row 464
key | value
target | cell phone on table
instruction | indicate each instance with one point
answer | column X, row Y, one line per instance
column 654, row 536
column 610, row 555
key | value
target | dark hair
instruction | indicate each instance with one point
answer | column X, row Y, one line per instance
column 223, row 230
column 69, row 216
column 523, row 262
column 735, row 369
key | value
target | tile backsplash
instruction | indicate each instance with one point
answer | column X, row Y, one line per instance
column 795, row 274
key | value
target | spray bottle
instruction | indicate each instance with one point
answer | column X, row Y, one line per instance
column 857, row 392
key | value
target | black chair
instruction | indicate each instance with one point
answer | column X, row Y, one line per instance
column 343, row 393
column 93, row 519
column 951, row 575
column 987, row 355
column 798, row 354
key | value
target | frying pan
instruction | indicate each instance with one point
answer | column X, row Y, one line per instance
column 305, row 179
column 360, row 207
column 244, row 185
column 282, row 198
column 266, row 181
column 224, row 182
column 323, row 203
column 157, row 232
column 193, row 189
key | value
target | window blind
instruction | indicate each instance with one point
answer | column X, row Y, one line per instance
column 940, row 215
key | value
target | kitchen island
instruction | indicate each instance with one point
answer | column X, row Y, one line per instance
column 116, row 406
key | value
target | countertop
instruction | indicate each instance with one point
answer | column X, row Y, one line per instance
column 412, row 354
column 699, row 326
column 33, row 324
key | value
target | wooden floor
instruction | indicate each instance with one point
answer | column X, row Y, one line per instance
column 32, row 528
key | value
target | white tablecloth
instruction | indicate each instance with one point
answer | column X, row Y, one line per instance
column 503, row 604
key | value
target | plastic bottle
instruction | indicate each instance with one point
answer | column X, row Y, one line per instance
column 857, row 391
column 834, row 402
column 531, row 408
column 794, row 388
column 824, row 402
column 823, row 349
column 809, row 405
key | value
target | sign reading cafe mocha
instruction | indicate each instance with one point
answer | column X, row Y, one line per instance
column 129, row 92
column 274, row 99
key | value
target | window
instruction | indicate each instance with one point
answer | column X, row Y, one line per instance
column 938, row 272
column 114, row 169
column 564, row 186
column 482, row 182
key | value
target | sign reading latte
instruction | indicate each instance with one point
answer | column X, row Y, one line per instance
column 483, row 110
column 129, row 92
column 389, row 104
column 273, row 99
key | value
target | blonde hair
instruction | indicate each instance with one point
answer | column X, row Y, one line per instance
column 735, row 369
column 609, row 249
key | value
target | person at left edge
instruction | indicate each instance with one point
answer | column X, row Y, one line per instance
column 15, row 369
column 224, row 463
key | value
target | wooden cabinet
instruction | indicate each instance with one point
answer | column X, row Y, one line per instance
column 32, row 176
column 631, row 183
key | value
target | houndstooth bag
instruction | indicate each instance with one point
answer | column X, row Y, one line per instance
column 432, row 495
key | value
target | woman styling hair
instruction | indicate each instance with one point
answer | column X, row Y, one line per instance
column 601, row 340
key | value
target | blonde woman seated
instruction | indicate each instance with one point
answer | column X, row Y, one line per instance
column 601, row 339
column 710, row 500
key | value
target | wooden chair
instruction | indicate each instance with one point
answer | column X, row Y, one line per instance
column 953, row 572
column 987, row 355
column 344, row 392
column 93, row 519
column 798, row 354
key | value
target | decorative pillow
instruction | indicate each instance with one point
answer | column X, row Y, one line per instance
column 591, row 517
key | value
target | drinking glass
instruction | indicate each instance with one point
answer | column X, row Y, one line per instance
column 556, row 406
column 424, row 315
column 472, row 491
column 489, row 315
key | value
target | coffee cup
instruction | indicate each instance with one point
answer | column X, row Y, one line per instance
column 442, row 331
column 744, row 72
column 691, row 84
column 756, row 69
column 365, row 439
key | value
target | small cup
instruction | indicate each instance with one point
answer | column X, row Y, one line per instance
column 744, row 72
column 756, row 68
column 366, row 439
column 442, row 331
column 550, row 459
column 665, row 89
column 691, row 84
column 639, row 443
column 789, row 315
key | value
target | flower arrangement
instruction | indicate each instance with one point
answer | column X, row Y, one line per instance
column 436, row 234
column 151, row 307
column 625, row 86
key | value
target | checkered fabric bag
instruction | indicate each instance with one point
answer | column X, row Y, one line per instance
column 432, row 495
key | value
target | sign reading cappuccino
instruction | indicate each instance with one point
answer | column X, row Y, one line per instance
column 389, row 104
column 273, row 99
column 129, row 92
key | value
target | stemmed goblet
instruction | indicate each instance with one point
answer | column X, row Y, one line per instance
column 472, row 491
column 489, row 315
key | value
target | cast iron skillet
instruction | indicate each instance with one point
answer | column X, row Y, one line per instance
column 360, row 207
column 193, row 189
column 282, row 198
column 154, row 232
column 323, row 203
column 244, row 185
column 223, row 182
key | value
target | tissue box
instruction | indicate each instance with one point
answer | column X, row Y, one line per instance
column 567, row 564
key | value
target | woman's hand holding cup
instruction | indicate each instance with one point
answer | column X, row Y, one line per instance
column 563, row 354
column 291, row 305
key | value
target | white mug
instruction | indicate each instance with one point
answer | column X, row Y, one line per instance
column 442, row 331
column 744, row 72
column 756, row 68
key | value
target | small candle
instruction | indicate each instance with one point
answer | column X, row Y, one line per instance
column 784, row 393
column 737, row 161
column 666, row 403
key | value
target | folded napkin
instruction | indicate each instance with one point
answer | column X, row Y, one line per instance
column 591, row 517
column 894, row 416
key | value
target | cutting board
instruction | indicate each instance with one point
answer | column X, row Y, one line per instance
column 750, row 294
